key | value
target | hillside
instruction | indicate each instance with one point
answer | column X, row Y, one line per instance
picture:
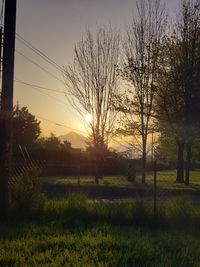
column 77, row 140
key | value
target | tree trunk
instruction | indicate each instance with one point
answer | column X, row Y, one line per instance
column 131, row 171
column 144, row 165
column 180, row 163
column 98, row 168
column 188, row 164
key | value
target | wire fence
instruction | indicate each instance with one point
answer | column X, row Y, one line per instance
column 160, row 186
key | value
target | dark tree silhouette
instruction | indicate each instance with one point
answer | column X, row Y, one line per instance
column 91, row 84
column 143, row 52
column 179, row 89
column 26, row 128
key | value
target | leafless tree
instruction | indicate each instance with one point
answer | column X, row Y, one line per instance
column 143, row 53
column 91, row 84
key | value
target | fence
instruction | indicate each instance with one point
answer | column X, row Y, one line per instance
column 160, row 186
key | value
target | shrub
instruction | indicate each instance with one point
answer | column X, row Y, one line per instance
column 37, row 203
column 25, row 194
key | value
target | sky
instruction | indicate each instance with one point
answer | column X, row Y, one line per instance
column 54, row 26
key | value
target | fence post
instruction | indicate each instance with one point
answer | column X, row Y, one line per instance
column 155, row 188
column 79, row 174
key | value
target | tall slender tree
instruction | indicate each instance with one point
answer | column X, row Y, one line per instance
column 91, row 84
column 189, row 39
column 179, row 96
column 143, row 52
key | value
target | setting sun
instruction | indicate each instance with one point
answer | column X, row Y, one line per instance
column 88, row 118
column 100, row 133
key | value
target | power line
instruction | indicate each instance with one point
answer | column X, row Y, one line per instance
column 50, row 96
column 59, row 68
column 39, row 66
column 39, row 52
column 58, row 124
column 73, row 129
column 40, row 87
column 58, row 100
column 52, row 62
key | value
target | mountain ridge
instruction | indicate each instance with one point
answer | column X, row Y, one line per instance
column 76, row 140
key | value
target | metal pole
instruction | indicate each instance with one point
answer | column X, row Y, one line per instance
column 7, row 102
column 1, row 43
column 155, row 188
column 1, row 51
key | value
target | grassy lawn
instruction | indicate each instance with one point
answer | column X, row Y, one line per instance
column 53, row 243
column 76, row 232
column 119, row 181
column 165, row 180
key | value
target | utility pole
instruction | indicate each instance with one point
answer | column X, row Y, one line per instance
column 7, row 102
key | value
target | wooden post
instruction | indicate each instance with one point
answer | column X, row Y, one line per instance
column 7, row 103
column 155, row 188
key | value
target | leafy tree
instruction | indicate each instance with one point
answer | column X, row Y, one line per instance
column 178, row 95
column 143, row 55
column 51, row 143
column 189, row 39
column 169, row 102
column 26, row 128
column 167, row 149
column 66, row 146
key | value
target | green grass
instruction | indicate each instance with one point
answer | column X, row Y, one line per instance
column 165, row 180
column 54, row 244
column 78, row 232
column 119, row 181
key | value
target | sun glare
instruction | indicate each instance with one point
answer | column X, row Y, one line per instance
column 88, row 118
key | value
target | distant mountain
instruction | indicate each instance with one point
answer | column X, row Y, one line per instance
column 77, row 140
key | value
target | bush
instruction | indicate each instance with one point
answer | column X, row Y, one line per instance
column 25, row 195
column 37, row 203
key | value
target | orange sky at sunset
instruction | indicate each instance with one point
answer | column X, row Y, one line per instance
column 54, row 27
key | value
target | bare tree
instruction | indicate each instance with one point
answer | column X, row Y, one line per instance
column 91, row 85
column 143, row 53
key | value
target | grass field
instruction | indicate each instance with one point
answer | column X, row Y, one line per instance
column 32, row 244
column 79, row 233
column 165, row 180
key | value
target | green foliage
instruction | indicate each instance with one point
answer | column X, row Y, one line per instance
column 52, row 143
column 165, row 181
column 50, row 244
column 180, row 212
column 78, row 232
column 77, row 204
column 26, row 128
column 167, row 149
column 111, row 212
column 36, row 203
column 25, row 194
